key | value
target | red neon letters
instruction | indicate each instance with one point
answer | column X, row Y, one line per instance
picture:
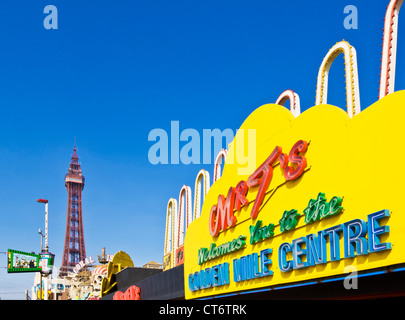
column 132, row 293
column 301, row 162
column 222, row 214
column 262, row 176
column 240, row 195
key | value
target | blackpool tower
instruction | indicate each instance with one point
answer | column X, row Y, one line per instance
column 74, row 250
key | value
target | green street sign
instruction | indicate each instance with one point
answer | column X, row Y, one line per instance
column 19, row 261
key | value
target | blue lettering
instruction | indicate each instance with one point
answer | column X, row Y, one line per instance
column 250, row 266
column 250, row 261
column 265, row 262
column 237, row 274
column 256, row 269
column 375, row 231
column 354, row 243
column 316, row 249
column 298, row 252
column 282, row 257
column 244, row 272
column 334, row 242
column 224, row 273
column 191, row 285
column 210, row 277
column 202, row 279
column 354, row 234
column 196, row 281
column 205, row 277
column 215, row 276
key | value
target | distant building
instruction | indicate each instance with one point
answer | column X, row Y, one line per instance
column 59, row 288
column 152, row 265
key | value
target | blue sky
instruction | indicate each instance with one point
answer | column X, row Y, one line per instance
column 115, row 70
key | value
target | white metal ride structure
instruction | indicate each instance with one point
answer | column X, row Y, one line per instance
column 218, row 162
column 389, row 48
column 202, row 185
column 352, row 81
column 184, row 212
column 175, row 215
column 351, row 73
column 171, row 230
column 295, row 104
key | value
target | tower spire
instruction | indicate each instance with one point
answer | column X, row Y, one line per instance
column 74, row 155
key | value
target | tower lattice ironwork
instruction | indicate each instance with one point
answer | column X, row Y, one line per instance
column 74, row 250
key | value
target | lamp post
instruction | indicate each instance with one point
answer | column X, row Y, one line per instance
column 47, row 258
column 42, row 236
column 40, row 273
column 46, row 222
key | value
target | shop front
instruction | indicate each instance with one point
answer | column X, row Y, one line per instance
column 324, row 203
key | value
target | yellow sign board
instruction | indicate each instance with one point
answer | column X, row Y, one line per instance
column 120, row 261
column 326, row 193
